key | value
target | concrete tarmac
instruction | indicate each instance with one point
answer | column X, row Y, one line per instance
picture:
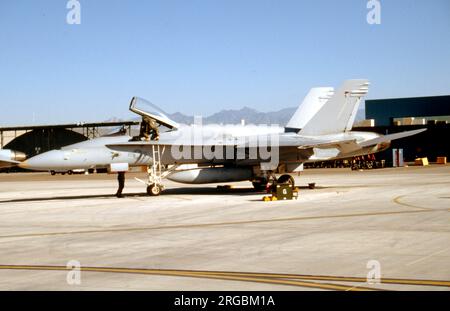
column 392, row 223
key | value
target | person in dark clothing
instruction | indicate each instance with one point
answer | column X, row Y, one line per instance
column 149, row 129
column 121, row 181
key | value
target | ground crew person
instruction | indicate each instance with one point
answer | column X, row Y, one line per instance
column 154, row 130
column 149, row 129
column 121, row 181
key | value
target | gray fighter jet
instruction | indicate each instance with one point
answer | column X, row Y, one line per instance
column 320, row 130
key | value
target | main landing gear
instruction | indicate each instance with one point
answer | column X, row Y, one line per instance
column 260, row 184
column 265, row 183
column 286, row 179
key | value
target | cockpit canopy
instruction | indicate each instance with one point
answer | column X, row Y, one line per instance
column 145, row 108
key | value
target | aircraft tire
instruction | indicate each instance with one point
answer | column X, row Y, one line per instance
column 260, row 185
column 286, row 179
column 154, row 190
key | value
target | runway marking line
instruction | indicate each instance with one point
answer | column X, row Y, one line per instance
column 272, row 278
column 205, row 225
column 397, row 200
column 197, row 274
column 426, row 257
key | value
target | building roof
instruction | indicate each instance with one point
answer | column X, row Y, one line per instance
column 69, row 125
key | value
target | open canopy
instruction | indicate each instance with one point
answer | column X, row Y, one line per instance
column 147, row 109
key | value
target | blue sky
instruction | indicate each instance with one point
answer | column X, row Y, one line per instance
column 199, row 57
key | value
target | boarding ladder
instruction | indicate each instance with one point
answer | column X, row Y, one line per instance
column 154, row 170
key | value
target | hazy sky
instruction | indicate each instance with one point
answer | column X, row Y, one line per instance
column 199, row 57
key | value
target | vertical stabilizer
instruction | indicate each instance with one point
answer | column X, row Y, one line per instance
column 338, row 113
column 312, row 103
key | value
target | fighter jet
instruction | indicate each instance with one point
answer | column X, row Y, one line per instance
column 94, row 153
column 319, row 130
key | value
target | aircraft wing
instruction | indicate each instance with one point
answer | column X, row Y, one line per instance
column 282, row 141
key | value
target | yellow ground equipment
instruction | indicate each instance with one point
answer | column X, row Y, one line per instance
column 421, row 162
column 282, row 192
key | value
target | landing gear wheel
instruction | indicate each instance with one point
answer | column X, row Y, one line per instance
column 286, row 179
column 260, row 185
column 154, row 190
column 53, row 173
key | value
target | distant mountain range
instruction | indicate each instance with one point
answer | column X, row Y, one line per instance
column 250, row 115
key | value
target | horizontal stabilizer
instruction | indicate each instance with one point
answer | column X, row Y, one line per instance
column 390, row 137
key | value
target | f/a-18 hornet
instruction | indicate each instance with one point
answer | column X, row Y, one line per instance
column 320, row 130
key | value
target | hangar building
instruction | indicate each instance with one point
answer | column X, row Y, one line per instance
column 36, row 139
column 386, row 111
column 404, row 114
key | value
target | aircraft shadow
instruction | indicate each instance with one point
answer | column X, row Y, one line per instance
column 209, row 190
column 171, row 191
column 71, row 197
column 230, row 191
column 175, row 191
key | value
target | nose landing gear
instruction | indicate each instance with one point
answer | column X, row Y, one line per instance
column 154, row 182
column 154, row 189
